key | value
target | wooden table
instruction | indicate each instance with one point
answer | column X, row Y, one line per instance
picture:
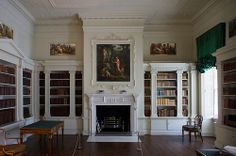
column 44, row 127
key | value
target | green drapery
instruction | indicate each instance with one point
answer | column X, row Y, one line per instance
column 208, row 43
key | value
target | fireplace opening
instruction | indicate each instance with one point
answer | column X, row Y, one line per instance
column 113, row 120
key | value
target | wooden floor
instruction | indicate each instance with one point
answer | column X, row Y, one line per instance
column 152, row 146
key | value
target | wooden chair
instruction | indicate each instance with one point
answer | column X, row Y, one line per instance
column 13, row 150
column 195, row 127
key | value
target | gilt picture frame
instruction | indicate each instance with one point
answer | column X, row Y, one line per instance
column 57, row 49
column 113, row 63
column 164, row 48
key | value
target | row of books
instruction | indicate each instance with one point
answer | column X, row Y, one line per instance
column 166, row 112
column 78, row 111
column 229, row 66
column 78, row 100
column 184, row 101
column 6, row 103
column 229, row 91
column 7, row 69
column 185, row 76
column 78, row 82
column 27, row 101
column 166, row 76
column 60, row 111
column 147, row 99
column 64, row 75
column 166, row 101
column 42, row 91
column 166, row 83
column 78, row 75
column 26, row 91
column 41, row 75
column 65, row 100
column 26, row 112
column 60, row 83
column 184, row 83
column 60, row 91
column 7, row 116
column 230, row 78
column 7, row 79
column 230, row 103
column 27, row 74
column 7, row 90
column 147, row 112
column 185, row 112
column 166, row 92
column 42, row 83
column 147, row 83
column 26, row 82
column 184, row 92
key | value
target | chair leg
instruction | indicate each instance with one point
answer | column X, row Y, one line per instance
column 189, row 135
column 195, row 135
column 201, row 136
column 182, row 135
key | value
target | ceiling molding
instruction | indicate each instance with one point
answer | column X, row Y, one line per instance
column 74, row 20
column 23, row 10
column 203, row 10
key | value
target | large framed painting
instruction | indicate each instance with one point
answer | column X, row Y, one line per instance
column 163, row 49
column 6, row 31
column 113, row 62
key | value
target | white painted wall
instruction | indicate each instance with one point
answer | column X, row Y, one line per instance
column 179, row 34
column 220, row 11
column 11, row 15
column 111, row 30
column 57, row 31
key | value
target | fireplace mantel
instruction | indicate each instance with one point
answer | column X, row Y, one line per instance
column 112, row 100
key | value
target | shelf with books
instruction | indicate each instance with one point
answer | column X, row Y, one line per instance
column 27, row 75
column 7, row 92
column 185, row 94
column 147, row 93
column 59, row 93
column 229, row 92
column 78, row 93
column 41, row 93
column 166, row 101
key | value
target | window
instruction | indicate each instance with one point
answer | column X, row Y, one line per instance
column 209, row 94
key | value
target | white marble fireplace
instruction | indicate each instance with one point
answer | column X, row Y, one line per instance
column 112, row 100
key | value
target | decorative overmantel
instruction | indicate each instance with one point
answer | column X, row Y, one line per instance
column 112, row 100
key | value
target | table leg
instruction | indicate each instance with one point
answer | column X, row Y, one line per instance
column 50, row 144
column 62, row 133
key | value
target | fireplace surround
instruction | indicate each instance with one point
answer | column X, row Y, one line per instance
column 123, row 121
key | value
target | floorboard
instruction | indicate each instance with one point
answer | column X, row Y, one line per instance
column 152, row 146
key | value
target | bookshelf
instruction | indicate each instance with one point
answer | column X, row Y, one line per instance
column 147, row 93
column 166, row 93
column 7, row 92
column 185, row 94
column 229, row 92
column 78, row 93
column 27, row 104
column 59, row 93
column 41, row 93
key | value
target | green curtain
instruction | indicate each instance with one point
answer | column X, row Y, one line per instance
column 208, row 43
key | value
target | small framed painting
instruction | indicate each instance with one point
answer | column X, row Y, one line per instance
column 62, row 49
column 163, row 49
column 6, row 31
column 232, row 28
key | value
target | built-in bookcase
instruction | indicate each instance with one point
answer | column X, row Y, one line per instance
column 59, row 93
column 27, row 92
column 7, row 92
column 41, row 93
column 78, row 93
column 166, row 94
column 185, row 94
column 229, row 92
column 147, row 93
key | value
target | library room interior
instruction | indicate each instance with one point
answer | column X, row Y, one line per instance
column 107, row 77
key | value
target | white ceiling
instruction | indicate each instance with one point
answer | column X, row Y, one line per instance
column 153, row 11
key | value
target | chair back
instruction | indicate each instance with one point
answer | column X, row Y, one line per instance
column 198, row 121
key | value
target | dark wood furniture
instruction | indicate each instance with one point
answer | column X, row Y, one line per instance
column 212, row 152
column 195, row 127
column 43, row 127
column 13, row 150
